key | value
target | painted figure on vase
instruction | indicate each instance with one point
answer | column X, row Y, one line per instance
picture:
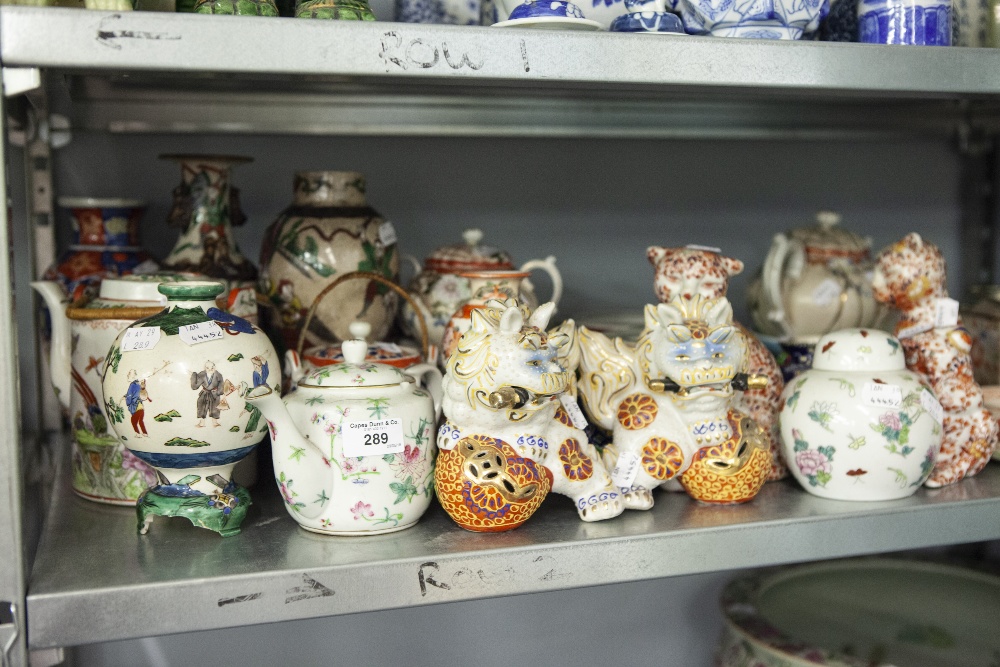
column 670, row 404
column 508, row 439
column 209, row 384
column 687, row 272
column 910, row 276
column 134, row 398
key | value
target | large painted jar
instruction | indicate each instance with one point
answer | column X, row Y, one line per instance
column 815, row 280
column 859, row 425
column 206, row 208
column 328, row 230
column 103, row 470
column 353, row 445
column 104, row 242
column 175, row 389
column 441, row 287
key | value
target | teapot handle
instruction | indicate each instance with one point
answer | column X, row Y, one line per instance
column 430, row 376
column 771, row 278
column 363, row 275
column 548, row 265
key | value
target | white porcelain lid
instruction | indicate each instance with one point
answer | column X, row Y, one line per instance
column 139, row 287
column 859, row 350
column 355, row 371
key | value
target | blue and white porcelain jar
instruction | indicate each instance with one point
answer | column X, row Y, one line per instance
column 761, row 19
column 916, row 22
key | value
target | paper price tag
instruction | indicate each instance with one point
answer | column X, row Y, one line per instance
column 203, row 332
column 572, row 408
column 626, row 469
column 706, row 248
column 373, row 438
column 391, row 348
column 148, row 266
column 931, row 405
column 387, row 233
column 908, row 332
column 140, row 338
column 945, row 313
column 882, row 395
column 826, row 292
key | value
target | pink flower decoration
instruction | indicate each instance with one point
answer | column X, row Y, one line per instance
column 811, row 461
column 286, row 493
column 362, row 510
column 890, row 420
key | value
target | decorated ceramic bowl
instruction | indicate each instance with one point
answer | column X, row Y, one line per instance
column 861, row 613
column 648, row 22
column 859, row 425
column 539, row 8
column 767, row 19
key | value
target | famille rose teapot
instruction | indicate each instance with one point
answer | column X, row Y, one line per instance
column 353, row 444
column 815, row 280
column 175, row 391
column 440, row 288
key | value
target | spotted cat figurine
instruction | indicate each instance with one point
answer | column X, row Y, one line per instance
column 910, row 276
column 687, row 272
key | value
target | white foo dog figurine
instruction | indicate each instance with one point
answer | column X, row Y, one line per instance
column 507, row 440
column 669, row 401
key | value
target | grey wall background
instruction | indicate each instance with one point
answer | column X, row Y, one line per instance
column 596, row 205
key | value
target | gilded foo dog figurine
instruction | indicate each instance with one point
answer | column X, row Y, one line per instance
column 685, row 272
column 507, row 440
column 670, row 404
column 910, row 276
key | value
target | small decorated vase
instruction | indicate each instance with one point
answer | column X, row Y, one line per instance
column 237, row 7
column 513, row 432
column 910, row 277
column 105, row 242
column 859, row 425
column 341, row 10
column 914, row 22
column 353, row 445
column 206, row 208
column 329, row 230
column 175, row 390
column 440, row 287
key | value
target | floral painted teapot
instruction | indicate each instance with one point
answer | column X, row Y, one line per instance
column 353, row 445
column 440, row 290
column 815, row 280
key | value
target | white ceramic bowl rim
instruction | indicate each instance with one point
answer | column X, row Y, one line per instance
column 100, row 202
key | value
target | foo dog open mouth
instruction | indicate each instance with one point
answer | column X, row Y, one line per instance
column 739, row 382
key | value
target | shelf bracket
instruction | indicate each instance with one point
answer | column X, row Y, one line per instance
column 21, row 80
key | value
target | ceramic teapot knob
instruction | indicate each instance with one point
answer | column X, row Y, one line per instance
column 472, row 237
column 828, row 219
column 354, row 351
column 359, row 330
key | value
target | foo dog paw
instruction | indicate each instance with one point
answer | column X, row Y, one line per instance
column 638, row 498
column 600, row 506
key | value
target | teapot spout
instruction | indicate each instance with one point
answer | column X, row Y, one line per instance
column 296, row 458
column 59, row 356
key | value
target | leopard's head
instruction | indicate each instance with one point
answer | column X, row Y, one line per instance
column 908, row 272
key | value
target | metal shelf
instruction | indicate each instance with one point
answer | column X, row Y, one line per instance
column 92, row 565
column 156, row 72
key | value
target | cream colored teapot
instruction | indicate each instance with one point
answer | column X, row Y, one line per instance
column 815, row 280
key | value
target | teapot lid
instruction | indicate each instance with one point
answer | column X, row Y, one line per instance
column 135, row 287
column 827, row 234
column 468, row 256
column 400, row 356
column 355, row 371
column 859, row 350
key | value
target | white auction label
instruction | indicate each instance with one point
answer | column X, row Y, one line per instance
column 626, row 469
column 913, row 330
column 945, row 312
column 387, row 233
column 573, row 410
column 203, row 332
column 882, row 395
column 391, row 348
column 140, row 338
column 706, row 248
column 372, row 438
column 931, row 405
column 826, row 292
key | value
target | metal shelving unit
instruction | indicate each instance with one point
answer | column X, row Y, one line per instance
column 148, row 72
